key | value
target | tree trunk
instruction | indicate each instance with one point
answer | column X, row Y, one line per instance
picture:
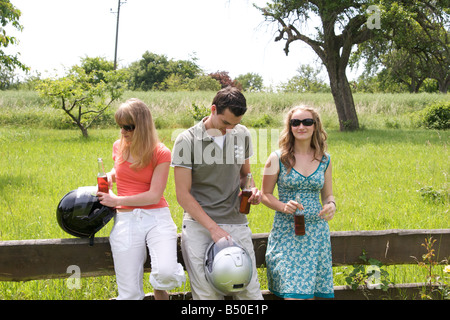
column 85, row 133
column 334, row 50
column 443, row 85
column 83, row 129
column 343, row 97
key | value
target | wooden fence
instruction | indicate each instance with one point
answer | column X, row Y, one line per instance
column 25, row 260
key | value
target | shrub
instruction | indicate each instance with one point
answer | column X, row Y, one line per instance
column 436, row 116
column 263, row 121
column 203, row 83
column 433, row 195
column 198, row 112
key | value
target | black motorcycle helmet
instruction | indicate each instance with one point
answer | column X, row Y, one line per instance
column 81, row 214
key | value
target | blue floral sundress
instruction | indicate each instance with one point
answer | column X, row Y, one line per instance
column 300, row 266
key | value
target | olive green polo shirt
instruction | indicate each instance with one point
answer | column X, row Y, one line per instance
column 215, row 169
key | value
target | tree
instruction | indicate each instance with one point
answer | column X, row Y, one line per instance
column 148, row 72
column 9, row 15
column 250, row 81
column 413, row 44
column 347, row 17
column 425, row 36
column 225, row 80
column 98, row 67
column 403, row 67
column 158, row 72
column 84, row 95
column 307, row 80
column 203, row 83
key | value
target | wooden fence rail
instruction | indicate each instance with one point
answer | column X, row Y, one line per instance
column 23, row 260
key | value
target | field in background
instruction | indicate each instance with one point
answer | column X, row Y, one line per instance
column 171, row 109
column 384, row 176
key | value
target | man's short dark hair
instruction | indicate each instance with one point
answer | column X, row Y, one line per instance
column 231, row 98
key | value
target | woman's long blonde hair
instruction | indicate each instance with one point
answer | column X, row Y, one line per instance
column 287, row 139
column 145, row 138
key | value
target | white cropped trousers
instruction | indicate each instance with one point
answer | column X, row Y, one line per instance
column 130, row 236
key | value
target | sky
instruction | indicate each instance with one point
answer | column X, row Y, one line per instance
column 224, row 35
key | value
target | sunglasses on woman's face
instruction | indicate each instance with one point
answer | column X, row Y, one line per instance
column 128, row 128
column 306, row 122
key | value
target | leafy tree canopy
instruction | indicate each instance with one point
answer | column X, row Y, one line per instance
column 86, row 92
column 9, row 15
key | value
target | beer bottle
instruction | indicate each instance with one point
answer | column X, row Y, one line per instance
column 299, row 219
column 246, row 193
column 102, row 179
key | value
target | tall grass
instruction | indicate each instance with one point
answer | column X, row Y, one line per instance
column 377, row 174
column 171, row 109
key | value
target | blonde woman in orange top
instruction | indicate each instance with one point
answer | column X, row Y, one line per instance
column 143, row 218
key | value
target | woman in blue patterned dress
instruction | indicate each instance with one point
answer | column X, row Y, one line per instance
column 300, row 267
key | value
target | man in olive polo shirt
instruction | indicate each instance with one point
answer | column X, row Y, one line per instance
column 211, row 162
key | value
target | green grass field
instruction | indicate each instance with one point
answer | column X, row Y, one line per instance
column 382, row 175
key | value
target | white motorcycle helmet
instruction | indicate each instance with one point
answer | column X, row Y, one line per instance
column 228, row 267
